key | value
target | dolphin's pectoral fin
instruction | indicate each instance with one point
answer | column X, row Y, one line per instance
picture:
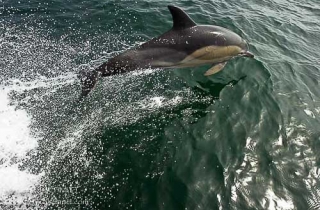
column 215, row 69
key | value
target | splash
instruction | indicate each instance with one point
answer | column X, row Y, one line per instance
column 15, row 143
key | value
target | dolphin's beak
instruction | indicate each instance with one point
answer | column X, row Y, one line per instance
column 247, row 54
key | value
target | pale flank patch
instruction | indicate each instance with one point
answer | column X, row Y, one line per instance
column 210, row 54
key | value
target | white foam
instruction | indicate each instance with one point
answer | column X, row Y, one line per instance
column 56, row 82
column 15, row 142
column 143, row 72
column 309, row 113
column 234, row 195
column 317, row 110
column 158, row 101
column 276, row 203
column 219, row 200
column 19, row 183
column 15, row 138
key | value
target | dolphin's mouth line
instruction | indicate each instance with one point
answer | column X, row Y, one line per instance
column 246, row 54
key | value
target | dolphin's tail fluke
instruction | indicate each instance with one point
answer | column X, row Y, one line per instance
column 88, row 81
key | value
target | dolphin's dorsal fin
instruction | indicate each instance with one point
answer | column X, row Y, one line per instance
column 180, row 19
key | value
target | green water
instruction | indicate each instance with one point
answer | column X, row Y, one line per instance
column 245, row 138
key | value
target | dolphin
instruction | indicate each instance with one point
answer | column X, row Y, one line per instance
column 186, row 44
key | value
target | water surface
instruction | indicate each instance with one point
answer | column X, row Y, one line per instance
column 245, row 138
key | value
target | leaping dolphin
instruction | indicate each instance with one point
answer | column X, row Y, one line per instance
column 185, row 45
